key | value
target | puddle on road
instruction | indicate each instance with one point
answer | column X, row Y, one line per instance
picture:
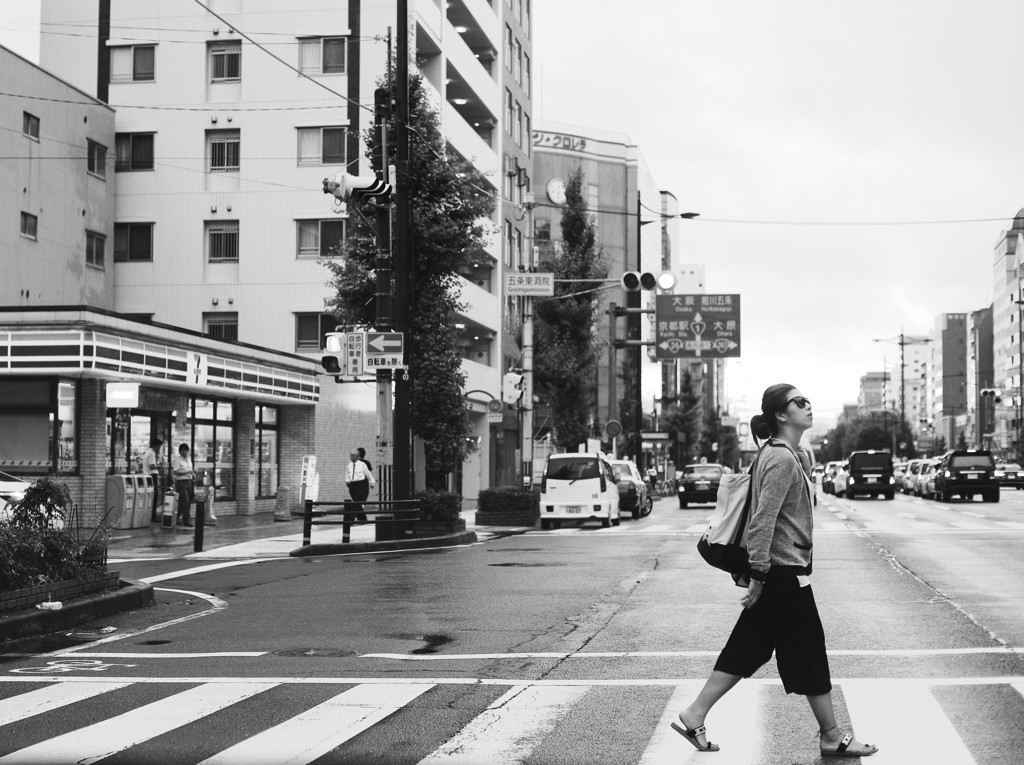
column 433, row 642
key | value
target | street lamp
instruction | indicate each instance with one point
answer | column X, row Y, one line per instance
column 904, row 341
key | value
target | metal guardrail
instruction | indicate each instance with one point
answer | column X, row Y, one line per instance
column 395, row 512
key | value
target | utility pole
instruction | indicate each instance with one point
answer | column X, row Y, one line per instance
column 403, row 261
column 633, row 333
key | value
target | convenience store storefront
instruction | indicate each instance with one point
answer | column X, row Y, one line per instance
column 246, row 413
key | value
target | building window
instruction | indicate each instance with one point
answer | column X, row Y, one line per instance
column 134, row 151
column 508, row 243
column 29, row 225
column 508, row 47
column 133, row 63
column 517, row 133
column 542, row 230
column 519, row 248
column 310, row 330
column 221, row 326
column 519, row 11
column 95, row 244
column 319, row 238
column 222, row 241
column 39, row 423
column 527, row 135
column 266, row 457
column 211, row 430
column 519, row 62
column 527, row 80
column 97, row 159
column 322, row 55
column 133, row 242
column 322, row 146
column 225, row 62
column 508, row 111
column 30, row 125
column 223, row 148
column 526, row 17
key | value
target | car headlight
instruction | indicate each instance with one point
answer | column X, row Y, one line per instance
column 948, row 474
column 998, row 474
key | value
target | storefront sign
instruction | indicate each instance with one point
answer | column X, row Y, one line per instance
column 122, row 395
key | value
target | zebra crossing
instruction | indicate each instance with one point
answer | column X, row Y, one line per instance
column 249, row 721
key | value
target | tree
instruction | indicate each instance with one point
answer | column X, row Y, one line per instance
column 565, row 349
column 683, row 420
column 450, row 214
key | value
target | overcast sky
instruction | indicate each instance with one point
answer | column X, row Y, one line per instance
column 800, row 110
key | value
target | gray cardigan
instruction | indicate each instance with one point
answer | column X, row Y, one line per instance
column 779, row 535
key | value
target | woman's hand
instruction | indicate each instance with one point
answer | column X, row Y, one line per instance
column 753, row 594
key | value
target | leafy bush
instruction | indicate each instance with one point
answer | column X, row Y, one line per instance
column 44, row 505
column 439, row 506
column 31, row 556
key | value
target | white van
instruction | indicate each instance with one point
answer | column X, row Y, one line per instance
column 578, row 486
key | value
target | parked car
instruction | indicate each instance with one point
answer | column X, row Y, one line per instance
column 925, row 486
column 1010, row 474
column 898, row 471
column 840, row 477
column 828, row 477
column 870, row 472
column 967, row 473
column 578, row 486
column 12, row 489
column 910, row 475
column 817, row 472
column 634, row 492
column 698, row 484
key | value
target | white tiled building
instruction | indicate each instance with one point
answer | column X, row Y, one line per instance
column 225, row 129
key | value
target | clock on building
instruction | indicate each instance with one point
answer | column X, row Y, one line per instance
column 556, row 191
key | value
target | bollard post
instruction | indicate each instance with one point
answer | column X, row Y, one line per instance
column 346, row 522
column 307, row 522
column 197, row 540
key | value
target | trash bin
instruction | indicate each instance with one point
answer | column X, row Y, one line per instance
column 169, row 518
column 120, row 501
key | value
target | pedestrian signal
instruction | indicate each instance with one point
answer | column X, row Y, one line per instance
column 334, row 351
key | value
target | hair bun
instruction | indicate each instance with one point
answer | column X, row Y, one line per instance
column 760, row 426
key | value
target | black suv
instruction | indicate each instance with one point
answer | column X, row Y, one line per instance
column 967, row 472
column 870, row 472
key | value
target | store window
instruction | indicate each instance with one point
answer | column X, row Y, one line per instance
column 212, row 432
column 39, row 426
column 265, row 446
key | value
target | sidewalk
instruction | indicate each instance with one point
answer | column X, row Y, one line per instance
column 260, row 536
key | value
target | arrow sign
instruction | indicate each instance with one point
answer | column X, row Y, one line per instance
column 384, row 343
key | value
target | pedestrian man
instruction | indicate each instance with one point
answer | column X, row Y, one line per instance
column 184, row 475
column 151, row 467
column 362, row 458
column 359, row 481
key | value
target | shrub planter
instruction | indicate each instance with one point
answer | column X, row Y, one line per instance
column 13, row 600
column 508, row 506
column 438, row 528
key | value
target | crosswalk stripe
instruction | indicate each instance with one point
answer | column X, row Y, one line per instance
column 509, row 729
column 697, row 527
column 51, row 697
column 970, row 526
column 657, row 527
column 115, row 734
column 318, row 730
column 905, row 722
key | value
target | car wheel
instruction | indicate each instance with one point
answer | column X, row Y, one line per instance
column 545, row 524
column 650, row 506
column 616, row 521
column 636, row 513
column 682, row 505
column 890, row 495
column 991, row 496
column 606, row 523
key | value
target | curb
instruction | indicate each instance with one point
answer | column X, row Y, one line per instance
column 340, row 548
column 33, row 622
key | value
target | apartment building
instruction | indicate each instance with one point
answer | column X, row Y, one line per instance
column 226, row 124
column 947, row 380
column 1007, row 333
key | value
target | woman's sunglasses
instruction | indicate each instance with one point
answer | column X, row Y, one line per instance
column 800, row 401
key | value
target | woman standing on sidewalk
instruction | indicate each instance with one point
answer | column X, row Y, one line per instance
column 779, row 614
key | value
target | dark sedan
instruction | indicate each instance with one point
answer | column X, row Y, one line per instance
column 698, row 484
column 1010, row 475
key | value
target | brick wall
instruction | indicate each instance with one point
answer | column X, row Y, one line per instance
column 245, row 432
column 296, row 429
column 88, row 489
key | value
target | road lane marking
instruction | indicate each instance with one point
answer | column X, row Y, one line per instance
column 1010, row 524
column 907, row 723
column 925, row 526
column 115, row 734
column 203, row 569
column 313, row 733
column 510, row 728
column 51, row 697
column 971, row 526
column 898, row 652
column 740, row 743
column 975, row 515
column 634, row 682
column 196, row 655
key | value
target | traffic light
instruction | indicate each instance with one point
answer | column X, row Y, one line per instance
column 347, row 187
column 381, row 112
column 634, row 281
column 334, row 352
column 511, row 388
column 994, row 393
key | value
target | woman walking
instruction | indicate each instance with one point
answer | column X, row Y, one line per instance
column 779, row 614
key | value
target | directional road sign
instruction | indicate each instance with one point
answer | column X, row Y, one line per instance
column 697, row 326
column 384, row 350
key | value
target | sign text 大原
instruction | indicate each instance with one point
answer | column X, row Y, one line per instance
column 696, row 326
